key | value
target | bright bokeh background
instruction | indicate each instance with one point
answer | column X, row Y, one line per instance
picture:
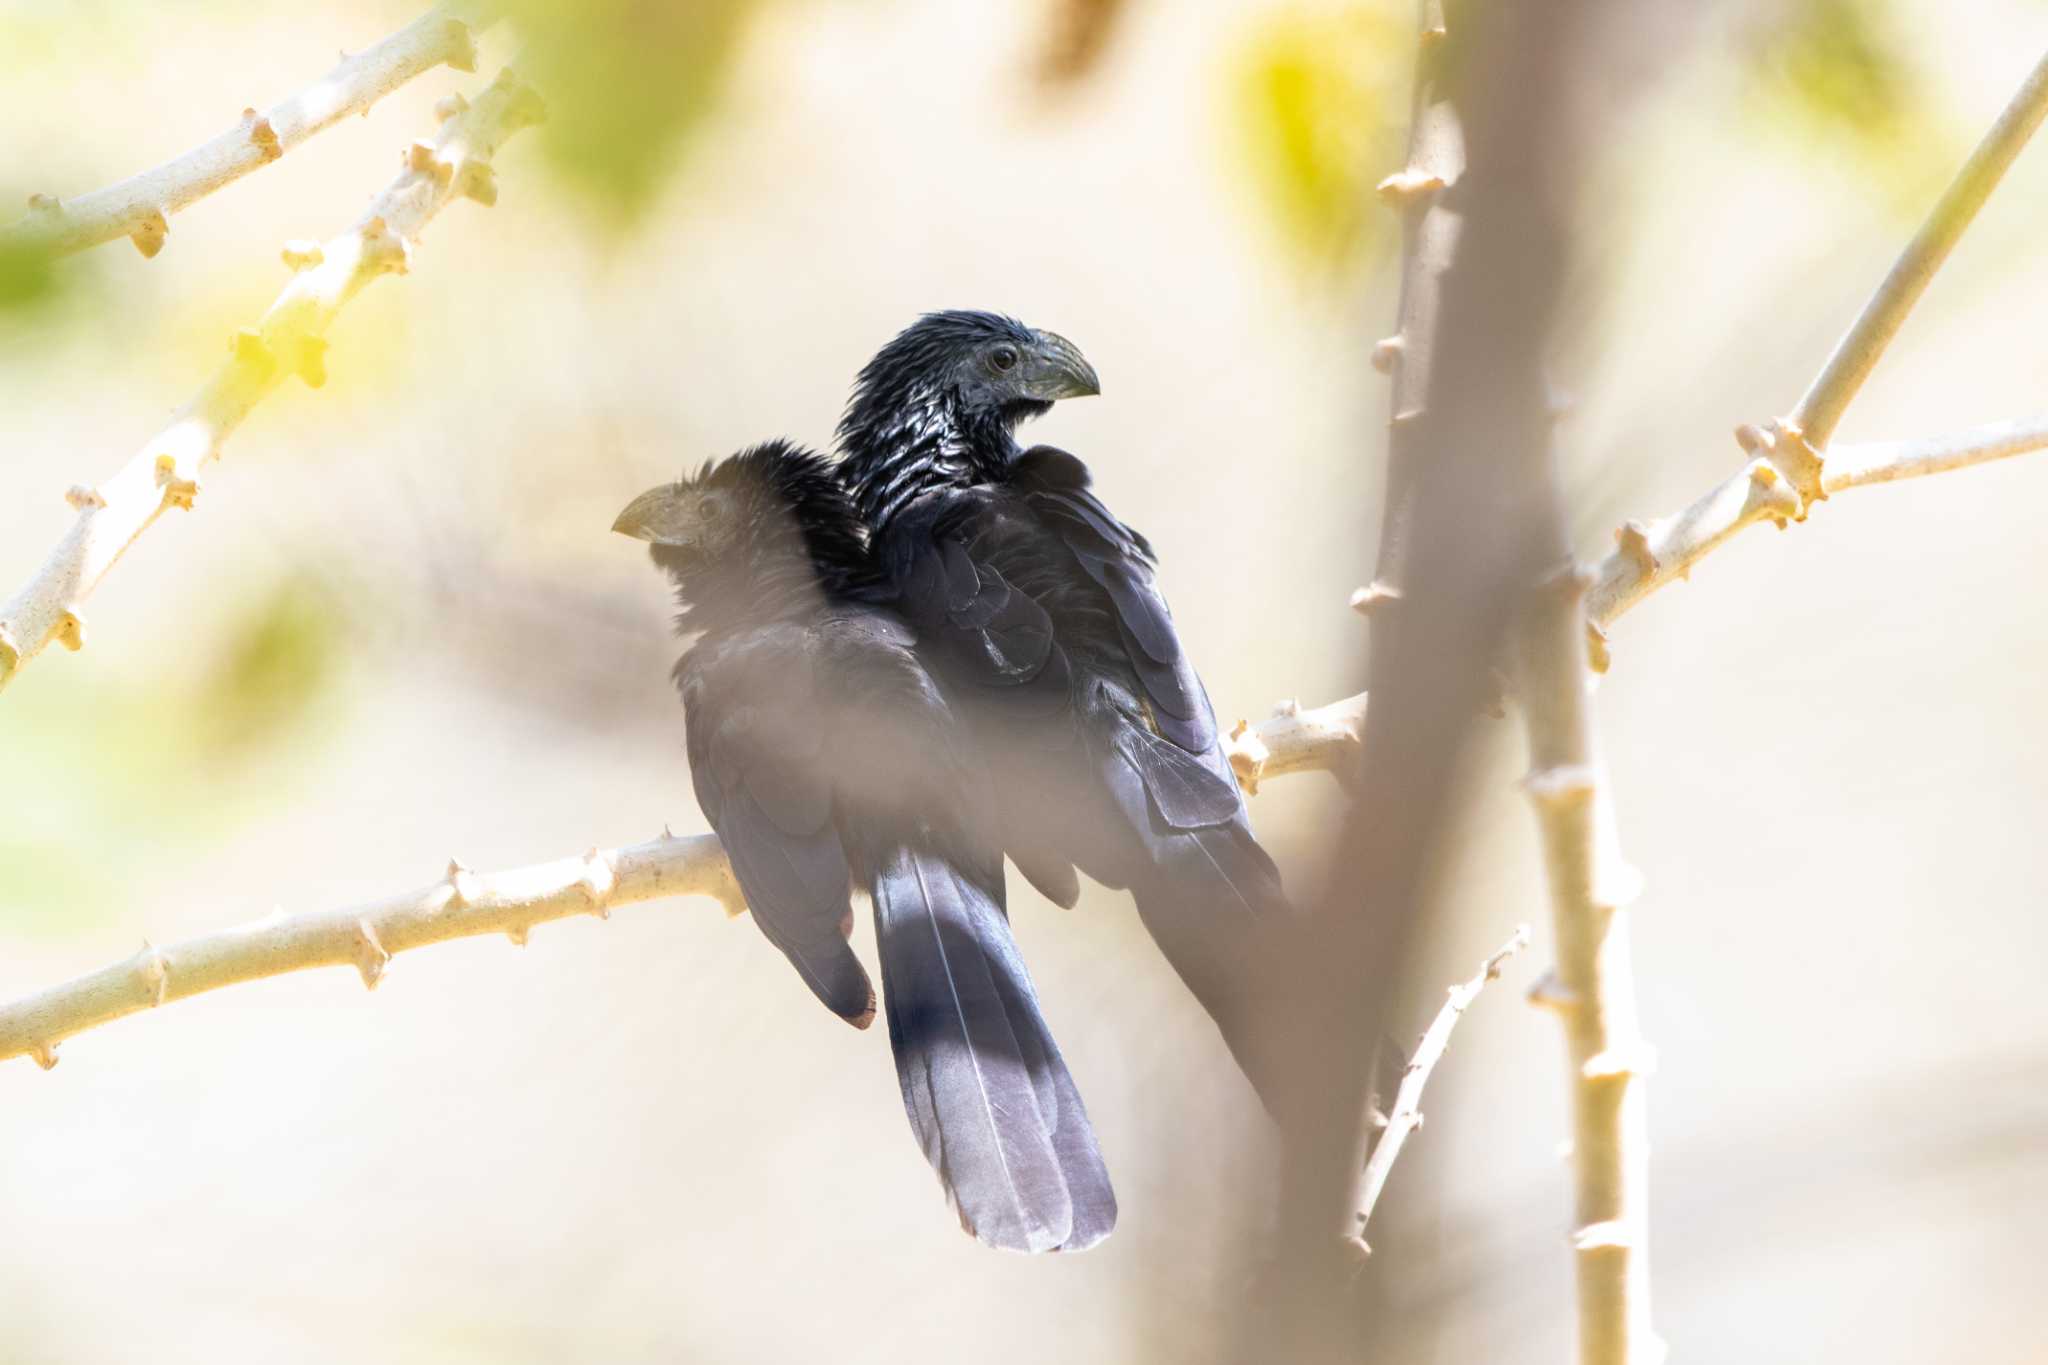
column 394, row 629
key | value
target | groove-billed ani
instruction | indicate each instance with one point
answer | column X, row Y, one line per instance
column 824, row 754
column 1039, row 610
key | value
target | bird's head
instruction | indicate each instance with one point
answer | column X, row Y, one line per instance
column 742, row 531
column 980, row 372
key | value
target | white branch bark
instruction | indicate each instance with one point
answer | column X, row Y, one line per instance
column 1649, row 555
column 139, row 208
column 1792, row 466
column 1593, row 987
column 462, row 904
column 1820, row 409
column 1293, row 740
column 289, row 340
column 1406, row 1117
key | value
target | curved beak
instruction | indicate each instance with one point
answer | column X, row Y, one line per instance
column 645, row 519
column 1059, row 370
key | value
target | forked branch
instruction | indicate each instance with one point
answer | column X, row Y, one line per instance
column 139, row 208
column 291, row 339
column 1406, row 1116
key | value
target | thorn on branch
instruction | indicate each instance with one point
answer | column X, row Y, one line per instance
column 1609, row 1236
column 1433, row 29
column 70, row 631
column 262, row 135
column 517, row 933
column 1248, row 755
column 597, row 882
column 385, row 250
column 44, row 1053
column 249, row 349
column 1410, row 187
column 448, row 106
column 1375, row 595
column 421, row 159
column 1549, row 993
column 371, row 959
column 301, row 254
column 1386, row 351
column 179, row 491
column 1562, row 785
column 1634, row 539
column 1784, row 446
column 154, row 971
column 1767, row 490
column 47, row 207
column 149, row 234
column 462, row 46
column 1597, row 656
column 478, row 180
column 10, row 651
column 309, row 360
column 1620, row 1065
column 525, row 107
column 84, row 499
column 461, row 884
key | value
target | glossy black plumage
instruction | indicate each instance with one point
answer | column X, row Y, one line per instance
column 1040, row 610
column 824, row 755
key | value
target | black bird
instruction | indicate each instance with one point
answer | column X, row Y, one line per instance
column 824, row 754
column 1040, row 611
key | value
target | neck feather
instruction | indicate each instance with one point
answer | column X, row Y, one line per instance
column 897, row 448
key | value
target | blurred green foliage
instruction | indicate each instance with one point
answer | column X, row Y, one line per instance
column 1321, row 97
column 627, row 82
column 278, row 662
column 176, row 760
column 27, row 277
column 1838, row 72
column 1833, row 58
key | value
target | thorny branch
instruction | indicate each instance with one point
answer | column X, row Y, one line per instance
column 1592, row 989
column 1406, row 1116
column 462, row 904
column 1647, row 556
column 139, row 208
column 291, row 339
column 1650, row 555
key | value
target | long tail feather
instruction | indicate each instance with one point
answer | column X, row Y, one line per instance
column 1215, row 906
column 983, row 1083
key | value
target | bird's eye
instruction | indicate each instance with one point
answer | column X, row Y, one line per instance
column 1003, row 358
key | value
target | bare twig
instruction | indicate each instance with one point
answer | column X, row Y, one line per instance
column 462, row 904
column 1295, row 740
column 1649, row 555
column 139, row 207
column 290, row 340
column 1434, row 163
column 1407, row 1113
column 1592, row 989
column 1857, row 354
